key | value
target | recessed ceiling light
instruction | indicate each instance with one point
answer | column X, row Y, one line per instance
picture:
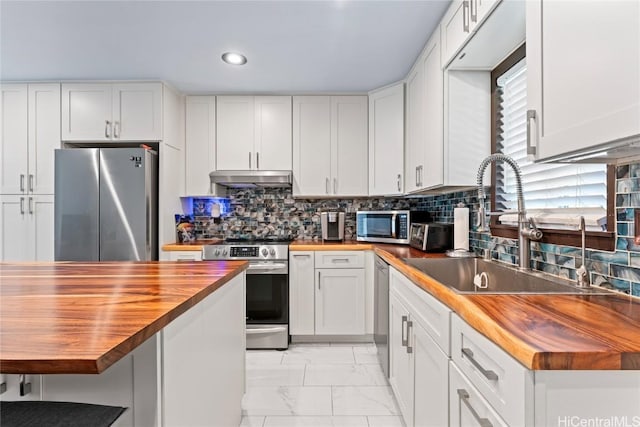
column 234, row 58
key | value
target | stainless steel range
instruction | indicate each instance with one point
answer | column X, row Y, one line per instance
column 267, row 288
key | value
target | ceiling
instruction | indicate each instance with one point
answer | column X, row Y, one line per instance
column 300, row 46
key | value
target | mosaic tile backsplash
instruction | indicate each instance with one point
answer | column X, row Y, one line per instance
column 274, row 212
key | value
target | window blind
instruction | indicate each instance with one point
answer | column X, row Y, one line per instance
column 546, row 186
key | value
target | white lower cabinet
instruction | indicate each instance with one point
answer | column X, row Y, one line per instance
column 340, row 301
column 26, row 225
column 468, row 407
column 419, row 372
column 19, row 387
column 327, row 293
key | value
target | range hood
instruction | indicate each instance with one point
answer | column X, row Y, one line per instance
column 251, row 179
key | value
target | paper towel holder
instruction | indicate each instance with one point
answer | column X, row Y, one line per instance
column 461, row 252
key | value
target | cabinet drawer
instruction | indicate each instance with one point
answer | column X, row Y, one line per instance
column 504, row 383
column 330, row 259
column 185, row 256
column 467, row 406
column 428, row 311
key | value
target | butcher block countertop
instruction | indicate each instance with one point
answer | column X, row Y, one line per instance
column 543, row 332
column 76, row 317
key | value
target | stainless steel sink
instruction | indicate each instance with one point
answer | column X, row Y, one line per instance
column 493, row 278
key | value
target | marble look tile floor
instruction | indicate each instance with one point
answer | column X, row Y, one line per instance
column 318, row 385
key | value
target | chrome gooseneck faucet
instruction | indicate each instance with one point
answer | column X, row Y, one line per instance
column 582, row 274
column 527, row 229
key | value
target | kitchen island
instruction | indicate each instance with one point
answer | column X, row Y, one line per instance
column 163, row 339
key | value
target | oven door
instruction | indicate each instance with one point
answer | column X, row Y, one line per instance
column 268, row 293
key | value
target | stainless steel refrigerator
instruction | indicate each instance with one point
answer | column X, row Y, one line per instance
column 106, row 204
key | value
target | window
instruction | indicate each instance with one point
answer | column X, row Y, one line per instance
column 555, row 194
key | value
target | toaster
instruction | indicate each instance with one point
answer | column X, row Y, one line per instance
column 432, row 236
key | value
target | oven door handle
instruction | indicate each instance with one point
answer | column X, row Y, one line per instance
column 266, row 266
column 256, row 331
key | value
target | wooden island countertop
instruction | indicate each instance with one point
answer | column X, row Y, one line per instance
column 82, row 317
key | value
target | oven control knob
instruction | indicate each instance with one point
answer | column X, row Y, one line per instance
column 217, row 252
column 224, row 252
column 265, row 252
column 272, row 251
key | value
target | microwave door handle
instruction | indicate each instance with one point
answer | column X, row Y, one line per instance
column 393, row 225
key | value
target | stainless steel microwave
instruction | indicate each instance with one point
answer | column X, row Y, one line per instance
column 387, row 226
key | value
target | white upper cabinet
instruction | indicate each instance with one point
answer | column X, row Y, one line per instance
column 414, row 143
column 583, row 75
column 386, row 141
column 273, row 132
column 330, row 146
column 112, row 112
column 424, row 144
column 30, row 134
column 462, row 19
column 311, row 145
column 349, row 142
column 253, row 133
column 200, row 143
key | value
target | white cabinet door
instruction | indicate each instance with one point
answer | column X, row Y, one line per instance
column 311, row 145
column 400, row 361
column 349, row 141
column 235, row 133
column 456, row 27
column 431, row 175
column 340, row 300
column 386, row 141
column 431, row 372
column 87, row 112
column 43, row 136
column 273, row 132
column 137, row 112
column 14, row 222
column 590, row 96
column 41, row 227
column 479, row 10
column 301, row 293
column 415, row 150
column 14, row 139
column 14, row 391
column 200, row 143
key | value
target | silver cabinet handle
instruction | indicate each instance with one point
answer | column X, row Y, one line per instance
column 326, row 185
column 417, row 177
column 465, row 16
column 488, row 374
column 22, row 183
column 116, row 129
column 474, row 10
column 463, row 395
column 404, row 338
column 107, row 129
column 25, row 387
column 257, row 160
column 336, row 260
column 31, row 205
column 3, row 387
column 249, row 159
column 319, row 280
column 409, row 327
column 335, row 185
column 398, row 182
column 302, row 256
column 531, row 115
column 31, row 182
column 22, row 205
